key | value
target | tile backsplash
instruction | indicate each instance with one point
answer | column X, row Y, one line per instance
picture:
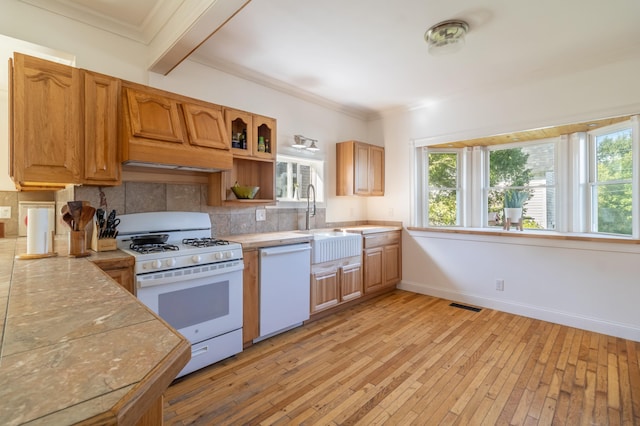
column 137, row 197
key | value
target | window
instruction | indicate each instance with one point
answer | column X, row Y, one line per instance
column 293, row 176
column 586, row 182
column 530, row 170
column 610, row 181
column 443, row 192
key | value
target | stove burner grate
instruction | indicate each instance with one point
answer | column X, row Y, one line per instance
column 204, row 242
column 153, row 248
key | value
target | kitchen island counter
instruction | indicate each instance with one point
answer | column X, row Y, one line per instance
column 76, row 346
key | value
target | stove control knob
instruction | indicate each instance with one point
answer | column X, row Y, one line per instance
column 170, row 262
column 156, row 264
column 218, row 255
column 196, row 259
column 228, row 254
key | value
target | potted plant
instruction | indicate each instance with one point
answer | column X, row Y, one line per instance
column 513, row 201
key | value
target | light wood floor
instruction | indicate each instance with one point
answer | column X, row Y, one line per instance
column 411, row 359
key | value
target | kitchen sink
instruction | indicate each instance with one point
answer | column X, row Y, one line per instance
column 332, row 245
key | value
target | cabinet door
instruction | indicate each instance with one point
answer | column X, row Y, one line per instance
column 324, row 290
column 124, row 277
column 101, row 153
column 240, row 131
column 264, row 127
column 250, row 298
column 361, row 169
column 350, row 282
column 373, row 269
column 392, row 265
column 376, row 170
column 154, row 116
column 205, row 126
column 47, row 142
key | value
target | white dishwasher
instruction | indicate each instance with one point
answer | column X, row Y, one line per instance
column 285, row 273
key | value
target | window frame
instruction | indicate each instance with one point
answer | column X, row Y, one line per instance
column 557, row 171
column 592, row 135
column 318, row 172
column 572, row 194
column 426, row 151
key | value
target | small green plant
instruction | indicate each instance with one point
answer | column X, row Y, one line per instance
column 515, row 198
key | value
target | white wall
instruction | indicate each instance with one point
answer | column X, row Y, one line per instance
column 587, row 285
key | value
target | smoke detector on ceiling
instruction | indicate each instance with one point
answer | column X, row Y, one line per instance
column 446, row 37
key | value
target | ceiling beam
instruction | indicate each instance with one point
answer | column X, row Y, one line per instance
column 191, row 25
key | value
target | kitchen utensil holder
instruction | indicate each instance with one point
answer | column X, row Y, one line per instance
column 78, row 244
column 101, row 244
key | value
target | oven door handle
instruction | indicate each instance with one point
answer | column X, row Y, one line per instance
column 171, row 277
column 200, row 351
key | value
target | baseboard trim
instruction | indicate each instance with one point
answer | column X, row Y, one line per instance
column 625, row 331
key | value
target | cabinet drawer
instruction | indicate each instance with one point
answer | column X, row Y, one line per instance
column 381, row 239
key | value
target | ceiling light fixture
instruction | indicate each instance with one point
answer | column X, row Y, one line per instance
column 300, row 142
column 446, row 37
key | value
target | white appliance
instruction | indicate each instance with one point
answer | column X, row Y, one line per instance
column 192, row 281
column 285, row 272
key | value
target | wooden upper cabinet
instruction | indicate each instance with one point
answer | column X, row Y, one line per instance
column 162, row 128
column 264, row 128
column 205, row 126
column 46, row 112
column 376, row 170
column 154, row 116
column 64, row 125
column 240, row 131
column 251, row 165
column 359, row 169
column 101, row 156
column 246, row 130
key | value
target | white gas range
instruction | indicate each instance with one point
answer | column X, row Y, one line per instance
column 192, row 281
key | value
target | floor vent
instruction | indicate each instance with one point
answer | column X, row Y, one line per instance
column 468, row 308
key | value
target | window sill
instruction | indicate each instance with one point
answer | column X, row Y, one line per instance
column 547, row 235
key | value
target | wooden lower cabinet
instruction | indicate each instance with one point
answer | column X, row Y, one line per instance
column 336, row 282
column 250, row 297
column 382, row 260
column 121, row 270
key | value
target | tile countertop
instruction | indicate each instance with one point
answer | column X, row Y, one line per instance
column 271, row 239
column 76, row 345
column 268, row 239
column 370, row 229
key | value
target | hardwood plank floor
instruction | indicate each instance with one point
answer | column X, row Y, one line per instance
column 405, row 358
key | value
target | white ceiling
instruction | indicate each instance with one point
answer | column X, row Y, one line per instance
column 369, row 56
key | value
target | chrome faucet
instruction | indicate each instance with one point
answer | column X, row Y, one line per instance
column 309, row 212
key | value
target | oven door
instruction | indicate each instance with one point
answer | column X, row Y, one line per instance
column 199, row 307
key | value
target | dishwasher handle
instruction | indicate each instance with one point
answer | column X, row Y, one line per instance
column 276, row 251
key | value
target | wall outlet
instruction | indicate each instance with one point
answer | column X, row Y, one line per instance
column 500, row 285
column 261, row 214
column 5, row 212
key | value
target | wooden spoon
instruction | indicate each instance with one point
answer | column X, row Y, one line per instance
column 86, row 216
column 68, row 219
column 75, row 208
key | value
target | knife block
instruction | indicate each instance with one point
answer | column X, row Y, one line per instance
column 102, row 244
